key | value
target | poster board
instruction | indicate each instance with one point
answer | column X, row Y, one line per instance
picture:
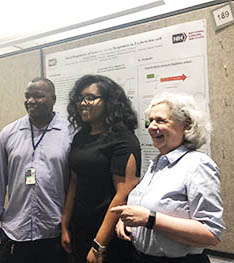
column 15, row 73
column 17, row 70
column 171, row 59
column 220, row 51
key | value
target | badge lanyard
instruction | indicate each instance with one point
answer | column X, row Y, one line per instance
column 30, row 173
column 40, row 139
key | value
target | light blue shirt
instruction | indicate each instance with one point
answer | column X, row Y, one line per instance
column 182, row 184
column 34, row 211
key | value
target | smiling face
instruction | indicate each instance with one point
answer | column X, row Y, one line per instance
column 39, row 102
column 166, row 133
column 91, row 106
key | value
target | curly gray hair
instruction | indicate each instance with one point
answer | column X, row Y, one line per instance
column 186, row 111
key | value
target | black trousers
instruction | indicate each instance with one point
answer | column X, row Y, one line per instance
column 118, row 251
column 83, row 231
column 39, row 251
column 139, row 257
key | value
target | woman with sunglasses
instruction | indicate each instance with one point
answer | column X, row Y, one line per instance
column 105, row 162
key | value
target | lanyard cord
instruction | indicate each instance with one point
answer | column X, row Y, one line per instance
column 40, row 139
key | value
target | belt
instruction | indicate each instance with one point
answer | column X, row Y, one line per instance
column 191, row 258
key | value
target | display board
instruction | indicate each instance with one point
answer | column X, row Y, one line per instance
column 220, row 53
column 15, row 73
column 217, row 49
column 172, row 59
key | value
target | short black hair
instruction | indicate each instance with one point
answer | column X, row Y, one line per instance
column 49, row 84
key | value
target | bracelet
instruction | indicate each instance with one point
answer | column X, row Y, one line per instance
column 98, row 249
column 151, row 220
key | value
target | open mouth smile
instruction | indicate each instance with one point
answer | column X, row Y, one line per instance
column 160, row 136
column 31, row 108
column 157, row 135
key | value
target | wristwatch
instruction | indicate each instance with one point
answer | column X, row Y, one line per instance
column 98, row 250
column 151, row 220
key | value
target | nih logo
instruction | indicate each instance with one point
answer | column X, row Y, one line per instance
column 179, row 38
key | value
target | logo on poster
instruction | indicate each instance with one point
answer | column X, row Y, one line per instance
column 52, row 62
column 179, row 38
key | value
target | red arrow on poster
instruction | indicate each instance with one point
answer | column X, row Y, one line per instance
column 182, row 77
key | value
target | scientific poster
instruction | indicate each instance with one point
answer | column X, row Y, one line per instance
column 170, row 59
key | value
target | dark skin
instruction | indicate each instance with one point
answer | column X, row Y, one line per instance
column 92, row 113
column 39, row 102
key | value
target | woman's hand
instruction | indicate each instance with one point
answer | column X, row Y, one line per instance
column 65, row 241
column 123, row 231
column 92, row 258
column 132, row 215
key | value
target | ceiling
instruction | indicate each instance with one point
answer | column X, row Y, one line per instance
column 28, row 24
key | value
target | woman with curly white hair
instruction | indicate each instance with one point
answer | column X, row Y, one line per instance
column 176, row 209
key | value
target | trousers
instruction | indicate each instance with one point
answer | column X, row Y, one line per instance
column 139, row 257
column 38, row 251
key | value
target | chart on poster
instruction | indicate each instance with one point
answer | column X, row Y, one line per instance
column 170, row 59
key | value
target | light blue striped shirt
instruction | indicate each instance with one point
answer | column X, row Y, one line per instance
column 183, row 184
column 34, row 211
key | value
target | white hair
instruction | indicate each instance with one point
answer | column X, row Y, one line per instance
column 186, row 111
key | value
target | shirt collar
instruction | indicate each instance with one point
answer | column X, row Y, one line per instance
column 176, row 154
column 54, row 124
column 171, row 157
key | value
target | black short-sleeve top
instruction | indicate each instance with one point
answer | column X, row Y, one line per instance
column 95, row 159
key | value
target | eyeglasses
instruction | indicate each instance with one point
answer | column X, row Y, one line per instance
column 88, row 99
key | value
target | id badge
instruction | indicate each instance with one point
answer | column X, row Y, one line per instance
column 30, row 176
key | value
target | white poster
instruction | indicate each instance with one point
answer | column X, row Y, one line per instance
column 169, row 59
